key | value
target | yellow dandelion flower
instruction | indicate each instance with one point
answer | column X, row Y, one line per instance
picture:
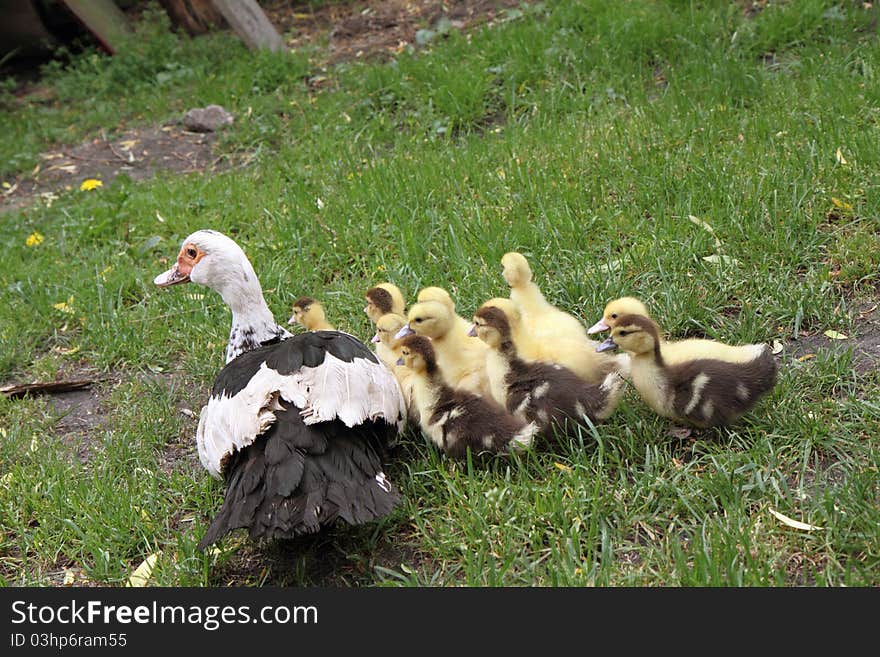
column 65, row 306
column 34, row 239
column 90, row 184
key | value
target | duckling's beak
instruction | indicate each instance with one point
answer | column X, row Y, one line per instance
column 292, row 320
column 598, row 326
column 400, row 361
column 403, row 332
column 608, row 345
column 375, row 338
column 472, row 332
column 171, row 277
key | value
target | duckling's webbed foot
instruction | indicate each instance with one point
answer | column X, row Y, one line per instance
column 681, row 433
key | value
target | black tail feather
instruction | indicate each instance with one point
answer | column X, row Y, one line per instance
column 297, row 478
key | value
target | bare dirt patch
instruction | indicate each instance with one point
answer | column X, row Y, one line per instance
column 138, row 153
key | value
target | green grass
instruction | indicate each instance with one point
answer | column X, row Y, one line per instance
column 584, row 135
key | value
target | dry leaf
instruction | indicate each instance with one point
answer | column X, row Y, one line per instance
column 839, row 156
column 834, row 335
column 562, row 466
column 843, row 205
column 777, row 347
column 793, row 523
column 5, row 479
column 142, row 573
column 128, row 144
column 69, row 577
column 65, row 306
column 806, row 357
column 717, row 259
column 705, row 226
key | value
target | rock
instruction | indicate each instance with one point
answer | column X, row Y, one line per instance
column 207, row 119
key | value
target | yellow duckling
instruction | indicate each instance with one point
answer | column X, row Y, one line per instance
column 382, row 299
column 576, row 353
column 441, row 295
column 388, row 350
column 455, row 419
column 461, row 358
column 541, row 318
column 616, row 308
column 699, row 382
column 309, row 312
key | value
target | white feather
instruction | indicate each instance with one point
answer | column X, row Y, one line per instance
column 352, row 392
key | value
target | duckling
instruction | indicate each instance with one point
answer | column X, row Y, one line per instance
column 673, row 352
column 542, row 319
column 577, row 354
column 309, row 312
column 461, row 358
column 540, row 392
column 439, row 294
column 388, row 351
column 706, row 388
column 382, row 299
column 616, row 308
column 456, row 419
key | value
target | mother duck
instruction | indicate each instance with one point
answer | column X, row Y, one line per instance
column 296, row 425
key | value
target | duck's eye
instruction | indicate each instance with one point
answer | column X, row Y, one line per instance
column 613, row 315
column 622, row 333
column 191, row 252
column 418, row 320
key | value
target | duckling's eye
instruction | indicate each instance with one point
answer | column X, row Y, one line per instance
column 613, row 315
column 622, row 333
column 418, row 320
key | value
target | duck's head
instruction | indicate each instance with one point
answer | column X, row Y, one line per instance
column 429, row 318
column 516, row 270
column 387, row 327
column 307, row 312
column 417, row 353
column 437, row 294
column 491, row 325
column 382, row 299
column 616, row 309
column 214, row 260
column 637, row 334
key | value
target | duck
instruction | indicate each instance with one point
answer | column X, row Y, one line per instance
column 388, row 351
column 309, row 312
column 547, row 394
column 701, row 383
column 673, row 351
column 461, row 358
column 434, row 293
column 457, row 420
column 542, row 319
column 382, row 299
column 575, row 353
column 297, row 426
column 616, row 308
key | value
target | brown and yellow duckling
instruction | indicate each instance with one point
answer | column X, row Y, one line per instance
column 382, row 299
column 545, row 393
column 617, row 308
column 456, row 419
column 703, row 383
column 309, row 312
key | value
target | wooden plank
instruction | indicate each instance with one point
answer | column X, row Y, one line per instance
column 103, row 19
column 251, row 24
column 194, row 16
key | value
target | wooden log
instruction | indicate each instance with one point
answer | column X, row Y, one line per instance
column 194, row 16
column 48, row 388
column 251, row 24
